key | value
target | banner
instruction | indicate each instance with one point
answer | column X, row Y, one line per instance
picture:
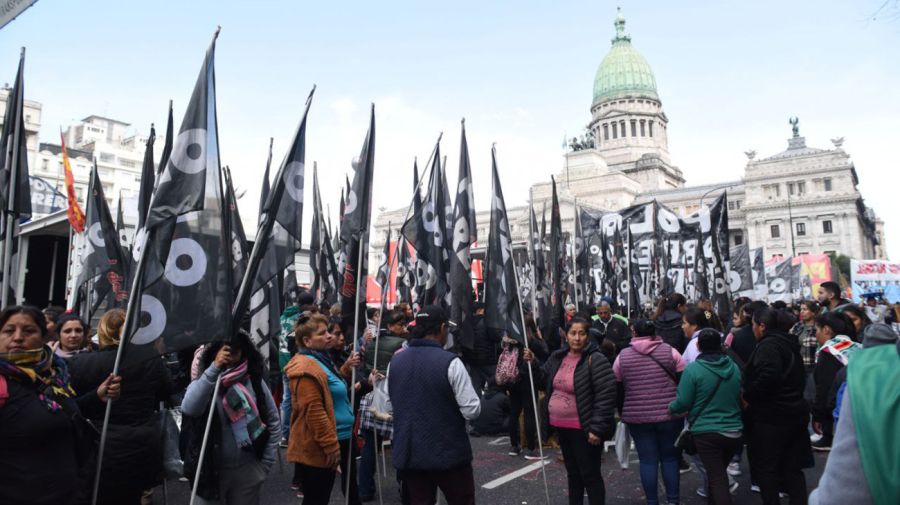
column 875, row 277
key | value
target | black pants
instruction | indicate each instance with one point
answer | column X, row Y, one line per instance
column 481, row 375
column 582, row 467
column 521, row 400
column 715, row 452
column 351, row 474
column 316, row 484
column 778, row 454
column 457, row 485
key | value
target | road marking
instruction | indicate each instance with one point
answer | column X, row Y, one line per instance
column 515, row 475
column 499, row 441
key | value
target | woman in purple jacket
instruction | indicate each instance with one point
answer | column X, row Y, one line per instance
column 648, row 371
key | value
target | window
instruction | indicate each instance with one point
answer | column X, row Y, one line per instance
column 801, row 188
column 650, row 126
column 44, row 164
column 827, row 183
column 615, row 127
column 634, row 128
column 622, row 128
column 127, row 163
column 738, row 238
column 775, row 231
column 801, row 229
column 643, row 131
column 777, row 189
column 107, row 157
column 605, row 131
column 730, row 205
column 737, row 204
column 826, row 226
column 790, row 186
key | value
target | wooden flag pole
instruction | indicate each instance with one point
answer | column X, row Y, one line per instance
column 532, row 394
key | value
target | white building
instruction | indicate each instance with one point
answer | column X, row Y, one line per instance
column 799, row 201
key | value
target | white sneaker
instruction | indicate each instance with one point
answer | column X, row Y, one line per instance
column 734, row 469
column 754, row 488
column 733, row 487
column 701, row 491
column 815, row 437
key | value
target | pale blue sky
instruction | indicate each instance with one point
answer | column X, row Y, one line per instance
column 729, row 75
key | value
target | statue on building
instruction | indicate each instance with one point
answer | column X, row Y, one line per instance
column 838, row 142
column 794, row 122
column 750, row 154
column 586, row 141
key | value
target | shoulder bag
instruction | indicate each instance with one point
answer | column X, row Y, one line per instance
column 685, row 440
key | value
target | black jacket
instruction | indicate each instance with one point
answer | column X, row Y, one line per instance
column 615, row 330
column 824, row 374
column 595, row 389
column 132, row 459
column 774, row 381
column 485, row 343
column 668, row 327
column 744, row 342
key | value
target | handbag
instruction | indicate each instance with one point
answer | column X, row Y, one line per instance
column 670, row 373
column 685, row 440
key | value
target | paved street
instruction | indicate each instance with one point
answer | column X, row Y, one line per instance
column 505, row 480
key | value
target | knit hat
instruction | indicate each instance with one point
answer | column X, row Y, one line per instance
column 878, row 334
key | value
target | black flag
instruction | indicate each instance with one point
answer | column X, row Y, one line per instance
column 405, row 273
column 557, row 260
column 383, row 277
column 167, row 144
column 278, row 240
column 184, row 287
column 266, row 188
column 355, row 231
column 464, row 235
column 145, row 195
column 15, row 201
column 239, row 250
column 502, row 311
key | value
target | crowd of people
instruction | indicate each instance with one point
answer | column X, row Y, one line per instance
column 693, row 392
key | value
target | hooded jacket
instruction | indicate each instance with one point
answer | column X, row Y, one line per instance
column 668, row 326
column 313, row 427
column 649, row 386
column 595, row 389
column 774, row 379
column 721, row 412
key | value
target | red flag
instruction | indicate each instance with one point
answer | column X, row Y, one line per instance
column 74, row 212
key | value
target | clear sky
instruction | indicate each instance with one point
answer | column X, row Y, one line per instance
column 521, row 72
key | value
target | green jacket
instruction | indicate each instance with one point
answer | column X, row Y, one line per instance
column 723, row 413
column 286, row 345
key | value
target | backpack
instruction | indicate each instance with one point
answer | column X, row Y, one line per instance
column 507, row 366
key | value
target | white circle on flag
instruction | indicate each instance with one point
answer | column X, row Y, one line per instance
column 95, row 233
column 184, row 249
column 189, row 155
column 154, row 328
column 293, row 182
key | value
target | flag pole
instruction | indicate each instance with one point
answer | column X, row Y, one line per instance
column 630, row 280
column 533, row 251
column 384, row 291
column 12, row 195
column 209, row 418
column 531, row 394
column 359, row 262
column 574, row 263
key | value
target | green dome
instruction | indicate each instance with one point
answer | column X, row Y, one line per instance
column 623, row 72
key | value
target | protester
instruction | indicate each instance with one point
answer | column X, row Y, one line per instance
column 570, row 311
column 834, row 353
column 390, row 339
column 861, row 468
column 73, row 336
column 522, row 396
column 858, row 318
column 610, row 327
column 668, row 320
column 829, row 297
column 877, row 312
column 581, row 392
column 494, row 417
column 133, row 458
column 709, row 392
column 44, row 437
column 777, row 415
column 648, row 371
column 51, row 314
column 805, row 331
column 313, row 445
column 481, row 360
column 741, row 339
column 286, row 350
column 694, row 320
column 431, row 449
column 245, row 430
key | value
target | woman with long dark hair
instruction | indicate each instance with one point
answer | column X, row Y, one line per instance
column 580, row 407
column 245, row 431
column 694, row 320
column 833, row 330
column 74, row 336
column 41, row 454
column 667, row 320
column 777, row 414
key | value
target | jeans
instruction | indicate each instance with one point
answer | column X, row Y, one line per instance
column 777, row 455
column 367, row 464
column 582, row 462
column 457, row 485
column 285, row 407
column 655, row 444
column 522, row 401
column 316, row 483
column 715, row 451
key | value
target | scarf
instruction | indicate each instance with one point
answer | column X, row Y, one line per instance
column 324, row 359
column 240, row 407
column 41, row 368
column 841, row 347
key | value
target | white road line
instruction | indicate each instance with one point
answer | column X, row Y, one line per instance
column 515, row 475
column 499, row 441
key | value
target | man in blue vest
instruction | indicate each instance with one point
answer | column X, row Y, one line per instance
column 432, row 397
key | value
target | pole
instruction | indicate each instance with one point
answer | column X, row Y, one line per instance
column 11, row 201
column 791, row 224
column 630, row 282
column 384, row 294
column 534, row 252
column 212, row 410
column 532, row 394
column 53, row 271
column 574, row 263
column 359, row 260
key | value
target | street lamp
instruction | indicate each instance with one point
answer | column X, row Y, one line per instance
column 723, row 186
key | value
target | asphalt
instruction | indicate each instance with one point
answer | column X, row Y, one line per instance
column 491, row 463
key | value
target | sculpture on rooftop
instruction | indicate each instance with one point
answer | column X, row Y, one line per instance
column 794, row 121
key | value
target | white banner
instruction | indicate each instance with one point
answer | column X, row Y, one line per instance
column 875, row 277
column 9, row 9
